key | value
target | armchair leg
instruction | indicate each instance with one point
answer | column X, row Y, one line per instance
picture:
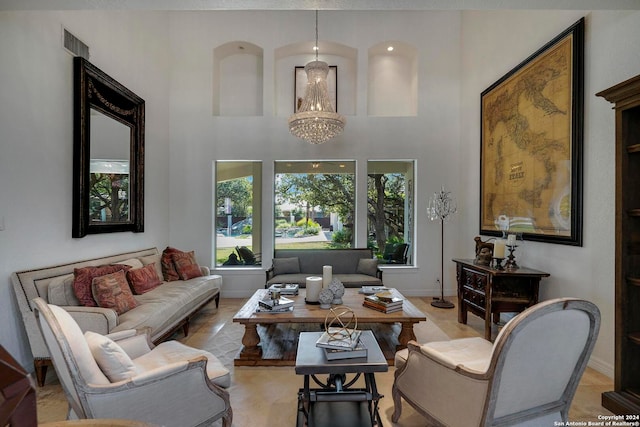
column 397, row 404
column 40, row 367
column 228, row 418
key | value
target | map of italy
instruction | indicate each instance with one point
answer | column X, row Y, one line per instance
column 526, row 151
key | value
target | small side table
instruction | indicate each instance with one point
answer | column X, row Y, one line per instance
column 487, row 292
column 335, row 403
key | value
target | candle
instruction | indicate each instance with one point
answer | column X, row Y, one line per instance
column 327, row 276
column 314, row 286
column 511, row 240
column 498, row 249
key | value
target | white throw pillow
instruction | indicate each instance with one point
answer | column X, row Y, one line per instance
column 112, row 359
column 153, row 259
column 60, row 291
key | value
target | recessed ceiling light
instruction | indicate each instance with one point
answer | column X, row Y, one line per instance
column 390, row 48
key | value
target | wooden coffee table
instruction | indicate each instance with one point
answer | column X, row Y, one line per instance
column 390, row 337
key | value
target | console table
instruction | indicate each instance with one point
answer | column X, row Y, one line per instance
column 487, row 292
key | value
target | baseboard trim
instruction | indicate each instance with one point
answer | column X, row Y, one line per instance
column 601, row 366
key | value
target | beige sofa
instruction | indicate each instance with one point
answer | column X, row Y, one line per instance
column 353, row 267
column 164, row 309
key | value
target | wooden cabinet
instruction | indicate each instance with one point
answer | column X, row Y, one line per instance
column 625, row 399
column 487, row 292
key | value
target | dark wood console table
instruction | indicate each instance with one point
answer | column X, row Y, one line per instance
column 487, row 292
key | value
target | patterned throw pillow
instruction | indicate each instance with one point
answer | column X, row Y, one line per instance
column 112, row 291
column 143, row 279
column 83, row 277
column 168, row 267
column 186, row 265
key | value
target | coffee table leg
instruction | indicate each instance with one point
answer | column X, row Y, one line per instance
column 250, row 341
column 406, row 335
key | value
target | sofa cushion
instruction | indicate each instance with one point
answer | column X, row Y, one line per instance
column 143, row 279
column 169, row 271
column 83, row 278
column 60, row 291
column 166, row 305
column 186, row 265
column 155, row 259
column 114, row 362
column 368, row 266
column 286, row 265
column 348, row 280
column 112, row 291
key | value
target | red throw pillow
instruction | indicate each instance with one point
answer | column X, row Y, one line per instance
column 168, row 268
column 83, row 277
column 186, row 265
column 112, row 291
column 143, row 279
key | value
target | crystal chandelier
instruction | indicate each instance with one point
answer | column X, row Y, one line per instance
column 316, row 120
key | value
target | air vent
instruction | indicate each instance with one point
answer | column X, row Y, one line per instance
column 75, row 46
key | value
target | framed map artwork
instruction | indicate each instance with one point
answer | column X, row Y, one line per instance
column 531, row 145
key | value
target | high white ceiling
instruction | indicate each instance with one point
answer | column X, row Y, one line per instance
column 319, row 4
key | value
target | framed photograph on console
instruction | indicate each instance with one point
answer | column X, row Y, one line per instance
column 300, row 85
column 531, row 145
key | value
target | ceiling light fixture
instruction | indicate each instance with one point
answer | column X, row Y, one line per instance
column 316, row 120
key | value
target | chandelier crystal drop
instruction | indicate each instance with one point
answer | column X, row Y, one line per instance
column 316, row 120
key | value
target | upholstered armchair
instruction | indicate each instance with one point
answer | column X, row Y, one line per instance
column 123, row 376
column 527, row 377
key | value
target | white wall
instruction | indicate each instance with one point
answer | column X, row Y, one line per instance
column 36, row 140
column 495, row 42
column 198, row 138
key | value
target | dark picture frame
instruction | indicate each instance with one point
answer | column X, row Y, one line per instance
column 95, row 92
column 300, row 84
column 531, row 145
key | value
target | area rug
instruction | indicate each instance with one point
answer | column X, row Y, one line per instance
column 266, row 396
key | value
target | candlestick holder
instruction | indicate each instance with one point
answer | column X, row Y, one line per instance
column 511, row 259
column 498, row 263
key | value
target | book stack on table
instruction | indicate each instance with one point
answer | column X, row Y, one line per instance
column 383, row 301
column 285, row 288
column 280, row 305
column 340, row 343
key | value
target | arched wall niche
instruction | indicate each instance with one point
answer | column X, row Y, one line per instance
column 286, row 58
column 392, row 85
column 238, row 79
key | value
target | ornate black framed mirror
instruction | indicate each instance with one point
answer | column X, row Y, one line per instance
column 108, row 154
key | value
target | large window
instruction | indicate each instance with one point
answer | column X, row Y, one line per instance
column 238, row 219
column 390, row 210
column 315, row 204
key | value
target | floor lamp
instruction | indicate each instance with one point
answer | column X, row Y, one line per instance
column 441, row 207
